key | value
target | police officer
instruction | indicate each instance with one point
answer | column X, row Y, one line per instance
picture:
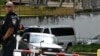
column 10, row 26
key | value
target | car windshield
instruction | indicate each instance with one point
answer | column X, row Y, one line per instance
column 39, row 38
column 33, row 29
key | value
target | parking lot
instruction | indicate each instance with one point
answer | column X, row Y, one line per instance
column 54, row 27
column 18, row 52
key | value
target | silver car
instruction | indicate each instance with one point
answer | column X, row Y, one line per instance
column 47, row 42
column 95, row 40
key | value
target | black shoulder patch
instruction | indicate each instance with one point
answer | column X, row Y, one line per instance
column 14, row 16
column 14, row 19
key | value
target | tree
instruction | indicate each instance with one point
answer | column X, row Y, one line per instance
column 61, row 3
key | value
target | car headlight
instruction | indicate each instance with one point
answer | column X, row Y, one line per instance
column 62, row 49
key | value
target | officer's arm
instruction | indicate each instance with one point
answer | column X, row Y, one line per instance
column 8, row 33
column 12, row 23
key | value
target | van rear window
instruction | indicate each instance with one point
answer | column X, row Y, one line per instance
column 33, row 30
column 62, row 31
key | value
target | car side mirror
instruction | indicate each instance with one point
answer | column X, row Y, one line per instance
column 60, row 43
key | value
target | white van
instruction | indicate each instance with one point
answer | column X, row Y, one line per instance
column 65, row 34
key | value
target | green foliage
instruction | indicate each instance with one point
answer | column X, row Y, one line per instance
column 1, row 17
column 2, row 2
column 84, row 48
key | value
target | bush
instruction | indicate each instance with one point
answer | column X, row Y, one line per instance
column 1, row 17
column 2, row 2
column 84, row 48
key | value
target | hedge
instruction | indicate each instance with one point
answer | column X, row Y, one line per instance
column 84, row 48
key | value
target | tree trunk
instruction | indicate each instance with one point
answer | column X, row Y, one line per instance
column 61, row 3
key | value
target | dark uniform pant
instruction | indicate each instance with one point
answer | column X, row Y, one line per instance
column 8, row 47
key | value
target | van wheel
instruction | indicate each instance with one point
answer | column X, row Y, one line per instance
column 68, row 46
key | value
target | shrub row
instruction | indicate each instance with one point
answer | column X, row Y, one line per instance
column 84, row 48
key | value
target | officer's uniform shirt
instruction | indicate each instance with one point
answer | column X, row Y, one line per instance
column 11, row 20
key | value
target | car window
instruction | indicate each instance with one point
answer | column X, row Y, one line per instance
column 46, row 30
column 26, row 37
column 62, row 31
column 33, row 30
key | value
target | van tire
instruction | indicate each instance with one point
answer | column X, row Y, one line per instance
column 68, row 46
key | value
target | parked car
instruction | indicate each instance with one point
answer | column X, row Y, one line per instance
column 47, row 42
column 95, row 40
column 63, row 33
